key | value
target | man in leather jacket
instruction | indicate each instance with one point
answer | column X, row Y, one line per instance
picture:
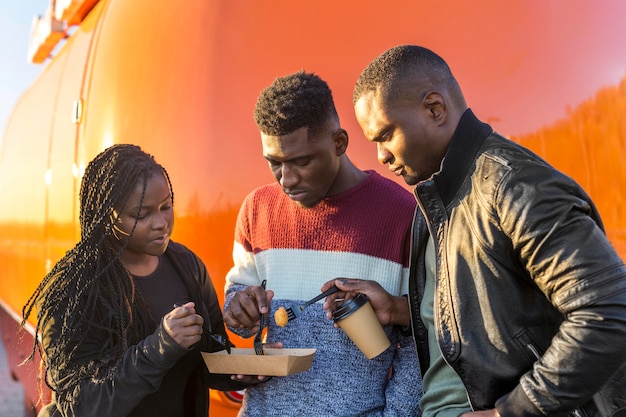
column 517, row 300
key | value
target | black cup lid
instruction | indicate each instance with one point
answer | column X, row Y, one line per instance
column 350, row 306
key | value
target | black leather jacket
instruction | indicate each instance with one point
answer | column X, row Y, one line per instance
column 530, row 299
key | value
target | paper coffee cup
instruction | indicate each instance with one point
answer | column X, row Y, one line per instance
column 357, row 318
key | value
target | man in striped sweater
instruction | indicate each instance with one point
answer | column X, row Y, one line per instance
column 324, row 218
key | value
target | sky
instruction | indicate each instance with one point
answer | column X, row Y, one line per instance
column 16, row 73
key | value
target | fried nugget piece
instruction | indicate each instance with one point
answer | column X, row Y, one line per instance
column 281, row 317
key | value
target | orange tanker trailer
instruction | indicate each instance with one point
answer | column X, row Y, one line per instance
column 180, row 79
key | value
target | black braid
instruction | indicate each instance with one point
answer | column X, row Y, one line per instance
column 89, row 289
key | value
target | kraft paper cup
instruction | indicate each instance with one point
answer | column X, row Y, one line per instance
column 357, row 318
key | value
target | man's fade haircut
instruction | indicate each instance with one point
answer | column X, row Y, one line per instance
column 294, row 101
column 394, row 74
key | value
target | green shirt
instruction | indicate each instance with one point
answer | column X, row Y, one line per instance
column 444, row 392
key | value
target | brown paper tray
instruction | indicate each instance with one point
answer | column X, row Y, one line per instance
column 275, row 362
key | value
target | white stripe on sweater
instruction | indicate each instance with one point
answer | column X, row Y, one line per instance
column 306, row 270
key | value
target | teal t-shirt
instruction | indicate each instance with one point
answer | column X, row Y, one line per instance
column 444, row 392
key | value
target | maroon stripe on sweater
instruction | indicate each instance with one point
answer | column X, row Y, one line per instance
column 374, row 218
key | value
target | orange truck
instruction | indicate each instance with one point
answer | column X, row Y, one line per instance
column 180, row 79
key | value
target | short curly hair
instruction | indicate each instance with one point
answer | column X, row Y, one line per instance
column 294, row 101
column 401, row 70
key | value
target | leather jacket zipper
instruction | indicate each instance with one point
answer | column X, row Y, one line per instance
column 436, row 316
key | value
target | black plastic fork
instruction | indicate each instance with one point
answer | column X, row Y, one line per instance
column 258, row 340
column 293, row 312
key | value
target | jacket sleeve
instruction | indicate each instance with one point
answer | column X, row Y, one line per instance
column 136, row 375
column 558, row 234
column 404, row 389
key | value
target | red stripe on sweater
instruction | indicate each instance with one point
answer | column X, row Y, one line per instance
column 373, row 218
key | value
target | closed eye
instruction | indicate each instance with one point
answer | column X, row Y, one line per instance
column 384, row 136
column 301, row 161
column 296, row 161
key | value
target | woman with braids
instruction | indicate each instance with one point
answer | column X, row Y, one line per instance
column 112, row 340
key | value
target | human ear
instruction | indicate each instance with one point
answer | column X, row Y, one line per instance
column 340, row 137
column 435, row 103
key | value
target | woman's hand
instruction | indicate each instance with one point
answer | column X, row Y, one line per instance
column 184, row 325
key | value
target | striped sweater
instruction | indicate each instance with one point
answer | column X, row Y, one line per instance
column 361, row 233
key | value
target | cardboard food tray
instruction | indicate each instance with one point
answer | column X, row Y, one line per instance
column 275, row 362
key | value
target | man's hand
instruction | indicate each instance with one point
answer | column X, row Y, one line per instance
column 246, row 307
column 388, row 308
column 184, row 325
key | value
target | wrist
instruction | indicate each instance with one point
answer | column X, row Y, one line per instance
column 400, row 311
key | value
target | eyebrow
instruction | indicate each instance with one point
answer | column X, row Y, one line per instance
column 143, row 206
column 302, row 157
column 380, row 135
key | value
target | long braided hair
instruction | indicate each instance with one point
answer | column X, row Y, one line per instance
column 89, row 290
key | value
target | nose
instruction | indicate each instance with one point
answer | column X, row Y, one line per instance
column 160, row 221
column 384, row 156
column 288, row 176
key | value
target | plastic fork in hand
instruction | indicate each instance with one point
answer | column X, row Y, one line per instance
column 294, row 312
column 258, row 339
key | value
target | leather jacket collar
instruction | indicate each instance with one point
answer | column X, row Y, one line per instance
column 467, row 140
